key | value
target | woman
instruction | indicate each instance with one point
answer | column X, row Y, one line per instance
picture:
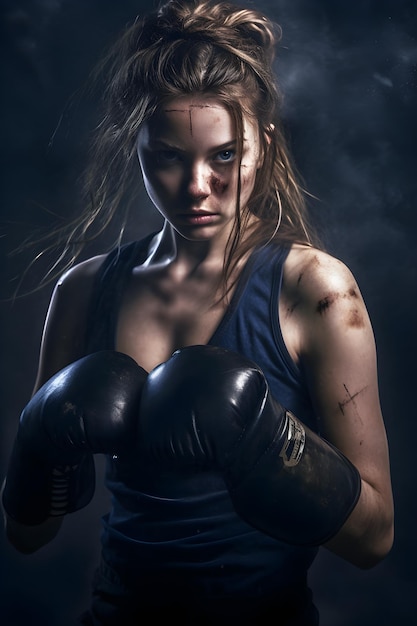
column 235, row 281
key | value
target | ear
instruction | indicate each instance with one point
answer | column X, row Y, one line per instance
column 269, row 132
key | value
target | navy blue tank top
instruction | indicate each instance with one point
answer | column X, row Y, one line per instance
column 180, row 529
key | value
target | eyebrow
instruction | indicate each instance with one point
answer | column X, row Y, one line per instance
column 155, row 143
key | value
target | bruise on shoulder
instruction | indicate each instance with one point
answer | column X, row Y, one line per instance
column 355, row 319
column 325, row 303
column 291, row 308
column 353, row 316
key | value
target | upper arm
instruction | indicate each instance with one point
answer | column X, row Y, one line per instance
column 337, row 353
column 64, row 333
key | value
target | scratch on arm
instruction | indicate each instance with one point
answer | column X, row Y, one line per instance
column 351, row 399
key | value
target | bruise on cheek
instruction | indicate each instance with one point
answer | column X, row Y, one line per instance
column 218, row 185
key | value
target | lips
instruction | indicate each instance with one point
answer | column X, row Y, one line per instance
column 198, row 217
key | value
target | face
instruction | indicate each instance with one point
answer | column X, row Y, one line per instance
column 188, row 156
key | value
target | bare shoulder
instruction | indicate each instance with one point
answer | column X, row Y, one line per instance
column 321, row 303
column 63, row 339
column 81, row 275
column 72, row 293
column 316, row 275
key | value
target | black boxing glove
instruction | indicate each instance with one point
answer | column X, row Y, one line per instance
column 209, row 407
column 91, row 406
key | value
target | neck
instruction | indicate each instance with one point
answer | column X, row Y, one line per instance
column 172, row 252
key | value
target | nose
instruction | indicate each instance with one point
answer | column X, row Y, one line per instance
column 198, row 184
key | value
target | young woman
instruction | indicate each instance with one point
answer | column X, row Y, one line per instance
column 226, row 364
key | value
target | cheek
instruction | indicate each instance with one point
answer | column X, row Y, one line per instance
column 160, row 184
column 218, row 185
column 247, row 177
column 160, row 192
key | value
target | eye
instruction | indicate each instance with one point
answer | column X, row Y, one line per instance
column 167, row 157
column 226, row 155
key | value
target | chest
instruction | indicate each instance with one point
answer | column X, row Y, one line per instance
column 156, row 318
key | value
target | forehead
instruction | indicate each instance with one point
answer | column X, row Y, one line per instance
column 188, row 114
column 197, row 115
column 187, row 103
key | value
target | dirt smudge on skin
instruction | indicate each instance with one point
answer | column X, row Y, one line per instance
column 351, row 399
column 218, row 185
column 353, row 318
column 326, row 302
column 291, row 309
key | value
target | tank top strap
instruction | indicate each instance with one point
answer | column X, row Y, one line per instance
column 108, row 288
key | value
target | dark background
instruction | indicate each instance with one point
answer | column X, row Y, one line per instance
column 348, row 71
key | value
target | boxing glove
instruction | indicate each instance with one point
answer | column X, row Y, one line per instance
column 90, row 406
column 207, row 407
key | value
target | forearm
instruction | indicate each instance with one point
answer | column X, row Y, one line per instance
column 367, row 535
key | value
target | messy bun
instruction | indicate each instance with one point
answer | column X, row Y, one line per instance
column 244, row 32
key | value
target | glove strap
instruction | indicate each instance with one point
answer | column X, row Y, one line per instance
column 34, row 491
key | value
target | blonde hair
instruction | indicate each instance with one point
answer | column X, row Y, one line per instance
column 193, row 47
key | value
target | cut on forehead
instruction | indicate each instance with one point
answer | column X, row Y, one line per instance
column 189, row 113
column 188, row 103
column 191, row 106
